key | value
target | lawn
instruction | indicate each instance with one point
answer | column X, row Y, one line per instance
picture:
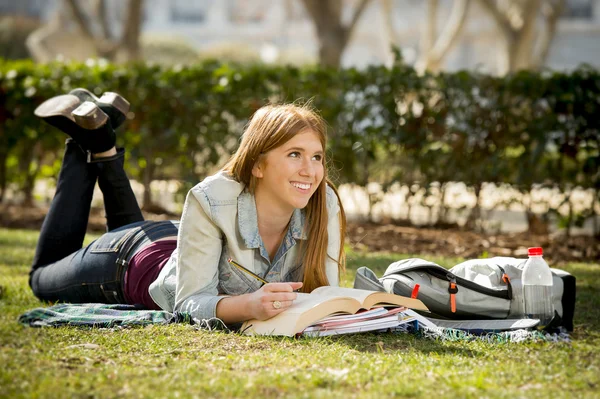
column 179, row 361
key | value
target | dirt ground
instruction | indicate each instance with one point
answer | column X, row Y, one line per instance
column 452, row 242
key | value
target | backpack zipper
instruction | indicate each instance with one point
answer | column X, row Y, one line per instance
column 444, row 274
column 506, row 281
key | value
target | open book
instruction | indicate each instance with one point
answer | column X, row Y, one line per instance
column 308, row 309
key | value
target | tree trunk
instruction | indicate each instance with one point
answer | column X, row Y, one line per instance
column 475, row 214
column 332, row 34
column 594, row 214
column 147, row 178
column 443, row 212
column 25, row 158
column 535, row 224
column 520, row 40
column 522, row 44
column 570, row 217
column 3, row 159
column 33, row 154
column 3, row 146
column 131, row 35
column 331, row 48
column 409, row 204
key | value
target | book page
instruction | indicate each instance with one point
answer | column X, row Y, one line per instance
column 328, row 291
column 304, row 302
column 368, row 299
column 356, row 316
column 336, row 321
column 373, row 325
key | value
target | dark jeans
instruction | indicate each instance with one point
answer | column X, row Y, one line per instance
column 64, row 271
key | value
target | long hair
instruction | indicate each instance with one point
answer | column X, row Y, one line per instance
column 270, row 127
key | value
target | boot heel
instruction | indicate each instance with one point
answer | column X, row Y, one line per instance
column 89, row 116
column 112, row 104
column 115, row 100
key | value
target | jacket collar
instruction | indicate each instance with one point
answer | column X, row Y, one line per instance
column 248, row 221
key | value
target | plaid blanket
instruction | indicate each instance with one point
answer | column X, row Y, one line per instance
column 99, row 315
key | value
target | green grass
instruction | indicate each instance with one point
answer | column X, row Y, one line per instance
column 179, row 361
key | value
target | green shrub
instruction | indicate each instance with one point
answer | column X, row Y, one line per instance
column 387, row 124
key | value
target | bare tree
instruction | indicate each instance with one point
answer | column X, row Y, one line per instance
column 435, row 47
column 438, row 46
column 333, row 34
column 527, row 45
column 96, row 38
column 127, row 47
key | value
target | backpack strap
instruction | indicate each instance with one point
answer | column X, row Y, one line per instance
column 452, row 290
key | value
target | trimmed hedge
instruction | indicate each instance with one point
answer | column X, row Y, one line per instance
column 387, row 124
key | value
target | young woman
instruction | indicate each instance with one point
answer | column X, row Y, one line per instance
column 271, row 209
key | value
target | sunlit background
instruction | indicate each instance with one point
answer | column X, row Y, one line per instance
column 420, row 144
column 494, row 37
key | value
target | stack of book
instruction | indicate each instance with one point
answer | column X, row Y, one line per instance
column 377, row 319
column 335, row 310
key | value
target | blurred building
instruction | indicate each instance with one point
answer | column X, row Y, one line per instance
column 26, row 8
column 282, row 30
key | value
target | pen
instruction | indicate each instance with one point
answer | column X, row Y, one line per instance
column 242, row 268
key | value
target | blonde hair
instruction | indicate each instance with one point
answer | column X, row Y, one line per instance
column 270, row 127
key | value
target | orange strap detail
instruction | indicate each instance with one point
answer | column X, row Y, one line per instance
column 453, row 299
column 415, row 291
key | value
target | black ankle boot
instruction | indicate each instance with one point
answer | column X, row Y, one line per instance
column 113, row 104
column 86, row 123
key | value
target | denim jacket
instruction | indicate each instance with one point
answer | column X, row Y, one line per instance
column 219, row 221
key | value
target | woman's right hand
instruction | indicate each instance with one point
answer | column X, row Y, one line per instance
column 260, row 303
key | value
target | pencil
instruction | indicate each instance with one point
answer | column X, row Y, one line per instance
column 242, row 268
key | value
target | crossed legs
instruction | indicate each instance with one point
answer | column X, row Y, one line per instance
column 62, row 269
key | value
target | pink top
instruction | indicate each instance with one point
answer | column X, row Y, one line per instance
column 144, row 267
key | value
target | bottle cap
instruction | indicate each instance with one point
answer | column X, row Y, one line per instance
column 535, row 251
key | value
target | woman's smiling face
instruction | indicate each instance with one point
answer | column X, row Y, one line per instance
column 288, row 175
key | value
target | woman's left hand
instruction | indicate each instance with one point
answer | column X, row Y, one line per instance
column 272, row 299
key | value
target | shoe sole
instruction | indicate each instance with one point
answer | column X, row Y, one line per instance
column 115, row 100
column 89, row 116
column 62, row 105
column 109, row 98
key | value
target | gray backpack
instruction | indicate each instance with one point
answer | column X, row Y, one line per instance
column 475, row 289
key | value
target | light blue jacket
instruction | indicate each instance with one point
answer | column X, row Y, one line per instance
column 219, row 221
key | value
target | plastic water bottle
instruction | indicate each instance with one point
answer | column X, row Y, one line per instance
column 537, row 287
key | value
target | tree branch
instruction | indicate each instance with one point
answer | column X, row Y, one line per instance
column 451, row 31
column 548, row 34
column 523, row 46
column 80, row 18
column 501, row 20
column 357, row 13
column 313, row 8
column 431, row 30
column 101, row 15
column 388, row 19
